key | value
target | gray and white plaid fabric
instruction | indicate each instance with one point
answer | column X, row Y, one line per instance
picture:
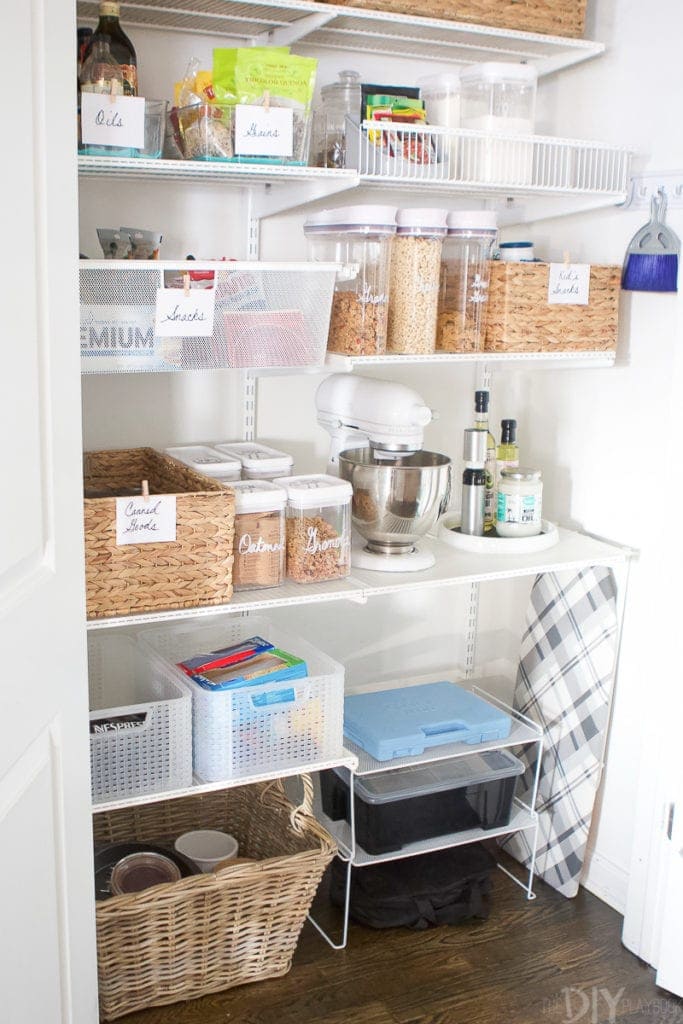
column 564, row 682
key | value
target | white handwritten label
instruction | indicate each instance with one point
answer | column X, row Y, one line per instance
column 185, row 316
column 145, row 521
column 112, row 121
column 569, row 284
column 264, row 132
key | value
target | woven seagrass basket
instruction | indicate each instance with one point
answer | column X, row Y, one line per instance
column 213, row 931
column 549, row 17
column 193, row 570
column 519, row 318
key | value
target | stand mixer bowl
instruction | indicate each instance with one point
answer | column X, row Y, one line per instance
column 395, row 500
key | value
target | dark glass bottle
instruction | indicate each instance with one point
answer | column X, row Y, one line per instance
column 120, row 46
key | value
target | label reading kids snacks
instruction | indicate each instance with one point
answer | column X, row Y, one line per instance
column 112, row 120
column 145, row 521
column 185, row 315
column 568, row 284
column 263, row 131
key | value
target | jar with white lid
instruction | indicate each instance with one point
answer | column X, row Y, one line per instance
column 465, row 274
column 441, row 95
column 318, row 527
column 259, row 546
column 339, row 100
column 358, row 237
column 499, row 99
column 414, row 281
column 258, row 461
column 519, row 502
column 207, row 459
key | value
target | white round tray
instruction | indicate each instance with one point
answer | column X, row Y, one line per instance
column 495, row 545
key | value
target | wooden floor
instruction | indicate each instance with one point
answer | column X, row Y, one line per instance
column 548, row 961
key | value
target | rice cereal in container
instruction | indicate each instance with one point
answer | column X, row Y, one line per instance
column 259, row 548
column 318, row 527
column 414, row 281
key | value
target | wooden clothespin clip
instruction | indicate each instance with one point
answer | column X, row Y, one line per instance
column 266, row 101
column 566, row 258
column 145, row 490
column 112, row 94
column 186, row 284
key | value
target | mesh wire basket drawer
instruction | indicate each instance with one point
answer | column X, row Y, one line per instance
column 260, row 728
column 266, row 315
column 140, row 721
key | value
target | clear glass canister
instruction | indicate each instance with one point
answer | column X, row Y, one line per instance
column 499, row 99
column 414, row 281
column 318, row 527
column 519, row 503
column 465, row 272
column 339, row 100
column 358, row 237
column 259, row 547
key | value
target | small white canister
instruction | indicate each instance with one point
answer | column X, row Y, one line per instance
column 519, row 504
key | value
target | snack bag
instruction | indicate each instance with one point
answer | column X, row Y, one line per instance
column 224, row 63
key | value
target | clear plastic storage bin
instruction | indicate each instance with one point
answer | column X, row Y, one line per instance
column 414, row 281
column 262, row 728
column 140, row 721
column 206, row 459
column 499, row 99
column 259, row 548
column 318, row 527
column 465, row 273
column 258, row 461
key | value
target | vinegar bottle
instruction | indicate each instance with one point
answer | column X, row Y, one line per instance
column 120, row 46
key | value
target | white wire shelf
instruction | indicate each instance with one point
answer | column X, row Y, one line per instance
column 237, row 175
column 329, row 26
column 345, row 760
column 571, row 360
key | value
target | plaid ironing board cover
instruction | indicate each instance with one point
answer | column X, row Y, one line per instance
column 564, row 682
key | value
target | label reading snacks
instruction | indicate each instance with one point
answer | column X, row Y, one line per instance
column 185, row 315
column 146, row 521
column 568, row 284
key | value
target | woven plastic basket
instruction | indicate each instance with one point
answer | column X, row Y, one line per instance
column 213, row 931
column 550, row 17
column 193, row 570
column 520, row 319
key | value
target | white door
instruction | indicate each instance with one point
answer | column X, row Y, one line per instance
column 47, row 943
column 670, row 962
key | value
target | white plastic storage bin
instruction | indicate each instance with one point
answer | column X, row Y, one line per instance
column 140, row 721
column 261, row 728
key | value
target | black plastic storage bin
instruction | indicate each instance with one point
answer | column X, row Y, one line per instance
column 405, row 805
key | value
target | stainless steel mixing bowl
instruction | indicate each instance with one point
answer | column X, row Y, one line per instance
column 396, row 501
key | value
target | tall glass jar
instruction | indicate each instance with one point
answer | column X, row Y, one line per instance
column 339, row 100
column 359, row 237
column 414, row 281
column 465, row 272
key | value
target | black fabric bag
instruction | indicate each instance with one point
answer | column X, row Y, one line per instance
column 444, row 887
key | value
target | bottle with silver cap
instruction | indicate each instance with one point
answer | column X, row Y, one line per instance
column 474, row 483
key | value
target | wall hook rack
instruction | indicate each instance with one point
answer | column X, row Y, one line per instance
column 643, row 186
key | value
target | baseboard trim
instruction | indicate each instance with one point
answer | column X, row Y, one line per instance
column 606, row 880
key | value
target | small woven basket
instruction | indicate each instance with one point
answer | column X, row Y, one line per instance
column 520, row 319
column 193, row 570
column 550, row 17
column 212, row 931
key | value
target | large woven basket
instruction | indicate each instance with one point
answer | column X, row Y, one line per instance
column 193, row 570
column 550, row 17
column 520, row 319
column 213, row 931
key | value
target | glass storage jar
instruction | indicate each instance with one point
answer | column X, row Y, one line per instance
column 519, row 502
column 259, row 548
column 465, row 272
column 414, row 281
column 340, row 100
column 358, row 237
column 258, row 461
column 318, row 527
column 499, row 99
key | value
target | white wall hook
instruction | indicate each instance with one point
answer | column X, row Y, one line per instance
column 644, row 186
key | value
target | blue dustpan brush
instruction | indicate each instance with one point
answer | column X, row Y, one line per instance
column 651, row 263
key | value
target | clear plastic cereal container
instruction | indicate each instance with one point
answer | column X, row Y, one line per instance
column 414, row 281
column 465, row 273
column 259, row 547
column 318, row 527
column 259, row 462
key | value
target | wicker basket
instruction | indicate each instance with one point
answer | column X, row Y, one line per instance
column 519, row 318
column 193, row 570
column 213, row 931
column 552, row 17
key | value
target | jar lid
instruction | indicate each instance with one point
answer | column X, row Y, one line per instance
column 365, row 219
column 428, row 220
column 349, row 81
column 204, row 458
column 313, row 490
column 496, row 71
column 447, row 81
column 473, row 220
column 258, row 458
column 516, row 245
column 142, row 870
column 520, row 473
column 258, row 496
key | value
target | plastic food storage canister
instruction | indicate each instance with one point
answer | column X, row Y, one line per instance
column 414, row 281
column 318, row 527
column 259, row 547
column 339, row 100
column 499, row 99
column 465, row 272
column 359, row 237
column 519, row 504
column 259, row 462
column 441, row 95
column 206, row 459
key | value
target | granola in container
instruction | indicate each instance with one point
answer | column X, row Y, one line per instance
column 318, row 527
column 414, row 281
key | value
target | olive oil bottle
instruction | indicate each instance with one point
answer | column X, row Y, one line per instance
column 481, row 422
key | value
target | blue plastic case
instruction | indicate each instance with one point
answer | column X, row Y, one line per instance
column 405, row 721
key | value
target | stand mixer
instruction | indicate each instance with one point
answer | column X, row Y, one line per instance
column 399, row 490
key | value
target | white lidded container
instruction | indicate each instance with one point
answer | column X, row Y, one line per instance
column 204, row 458
column 465, row 275
column 519, row 504
column 259, row 462
column 441, row 95
column 259, row 546
column 500, row 99
column 318, row 527
column 414, row 280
